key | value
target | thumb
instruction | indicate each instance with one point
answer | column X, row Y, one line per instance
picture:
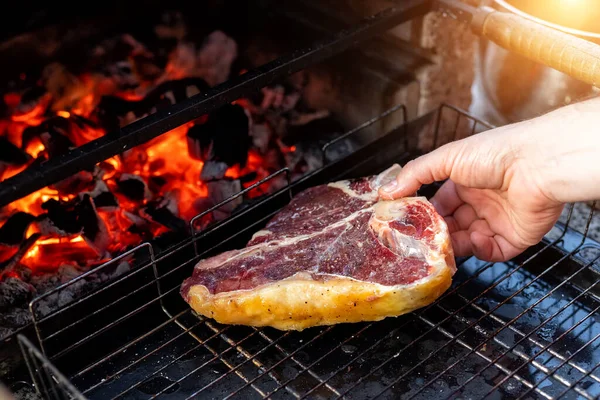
column 432, row 167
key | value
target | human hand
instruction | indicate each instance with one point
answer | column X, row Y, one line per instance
column 508, row 186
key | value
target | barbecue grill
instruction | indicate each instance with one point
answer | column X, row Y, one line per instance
column 526, row 328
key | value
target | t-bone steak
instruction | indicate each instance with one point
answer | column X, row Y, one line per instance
column 335, row 254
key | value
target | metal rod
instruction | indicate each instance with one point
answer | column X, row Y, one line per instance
column 89, row 154
column 502, row 327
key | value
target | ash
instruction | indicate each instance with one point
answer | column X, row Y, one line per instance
column 16, row 293
column 157, row 188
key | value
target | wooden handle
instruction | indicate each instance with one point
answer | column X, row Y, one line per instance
column 573, row 56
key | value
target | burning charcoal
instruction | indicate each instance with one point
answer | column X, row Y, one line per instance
column 102, row 196
column 121, row 74
column 75, row 183
column 133, row 187
column 94, row 229
column 213, row 170
column 162, row 215
column 112, row 108
column 212, row 62
column 10, row 264
column 32, row 98
column 106, row 201
column 11, row 155
column 221, row 190
column 14, row 292
column 223, row 137
column 56, row 143
column 261, row 137
column 249, row 177
column 14, row 229
column 156, row 182
column 60, row 219
column 56, row 124
column 145, row 68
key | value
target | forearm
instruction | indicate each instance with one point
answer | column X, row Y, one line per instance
column 563, row 149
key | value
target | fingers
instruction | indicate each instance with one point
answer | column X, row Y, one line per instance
column 492, row 248
column 431, row 167
column 480, row 241
column 446, row 199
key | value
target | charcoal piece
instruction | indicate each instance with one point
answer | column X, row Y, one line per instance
column 57, row 124
column 10, row 264
column 106, row 201
column 33, row 95
column 223, row 137
column 137, row 221
column 249, row 177
column 93, row 228
column 156, row 182
column 75, row 183
column 14, row 292
column 261, row 137
column 315, row 130
column 11, row 154
column 55, row 143
column 213, row 170
column 102, row 196
column 111, row 108
column 162, row 215
column 133, row 187
column 30, row 98
column 223, row 189
column 14, row 229
column 60, row 219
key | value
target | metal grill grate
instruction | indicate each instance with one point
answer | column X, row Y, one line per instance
column 527, row 328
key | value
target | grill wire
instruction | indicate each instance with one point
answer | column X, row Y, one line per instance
column 523, row 329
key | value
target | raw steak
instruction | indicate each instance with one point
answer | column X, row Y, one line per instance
column 335, row 254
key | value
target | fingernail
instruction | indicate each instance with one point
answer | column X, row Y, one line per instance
column 390, row 187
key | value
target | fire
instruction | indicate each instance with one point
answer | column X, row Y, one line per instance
column 166, row 156
column 163, row 164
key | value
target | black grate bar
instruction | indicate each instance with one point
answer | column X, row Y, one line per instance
column 562, row 364
column 55, row 378
column 232, row 369
column 299, row 348
column 473, row 324
column 486, row 358
column 114, row 323
column 135, row 362
column 301, row 365
column 311, row 365
column 252, row 358
column 494, row 334
column 65, row 285
column 362, row 126
column 578, row 381
column 91, row 314
column 128, row 345
column 418, row 313
column 529, row 339
column 543, row 349
column 89, row 154
column 438, row 325
column 282, row 171
column 173, row 361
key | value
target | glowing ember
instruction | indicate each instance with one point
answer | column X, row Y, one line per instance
column 151, row 189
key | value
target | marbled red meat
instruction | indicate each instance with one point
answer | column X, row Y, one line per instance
column 330, row 231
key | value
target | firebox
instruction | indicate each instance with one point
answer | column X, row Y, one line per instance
column 142, row 137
